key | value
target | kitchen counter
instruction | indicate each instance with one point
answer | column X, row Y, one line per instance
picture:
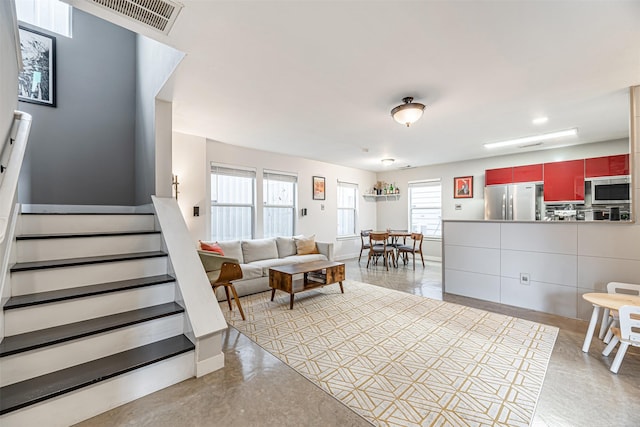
column 541, row 265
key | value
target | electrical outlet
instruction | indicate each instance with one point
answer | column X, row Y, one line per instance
column 524, row 279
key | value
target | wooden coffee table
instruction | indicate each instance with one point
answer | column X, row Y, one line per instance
column 315, row 274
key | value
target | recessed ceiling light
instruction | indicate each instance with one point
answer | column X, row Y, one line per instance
column 534, row 138
column 540, row 120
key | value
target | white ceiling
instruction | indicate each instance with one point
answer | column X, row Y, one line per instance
column 317, row 79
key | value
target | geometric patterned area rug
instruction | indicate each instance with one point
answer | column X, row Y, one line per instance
column 399, row 359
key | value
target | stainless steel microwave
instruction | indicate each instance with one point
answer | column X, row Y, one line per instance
column 610, row 190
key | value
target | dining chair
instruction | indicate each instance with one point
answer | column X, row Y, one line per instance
column 364, row 241
column 378, row 247
column 415, row 248
column 627, row 334
column 395, row 240
column 222, row 273
column 610, row 317
column 228, row 273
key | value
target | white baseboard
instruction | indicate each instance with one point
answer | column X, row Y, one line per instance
column 209, row 365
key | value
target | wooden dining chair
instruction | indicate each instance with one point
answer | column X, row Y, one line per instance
column 228, row 273
column 627, row 334
column 414, row 248
column 364, row 241
column 378, row 247
column 222, row 271
column 395, row 240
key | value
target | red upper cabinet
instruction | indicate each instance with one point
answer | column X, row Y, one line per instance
column 607, row 166
column 529, row 173
column 564, row 181
column 498, row 176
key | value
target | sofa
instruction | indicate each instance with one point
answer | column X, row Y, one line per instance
column 256, row 256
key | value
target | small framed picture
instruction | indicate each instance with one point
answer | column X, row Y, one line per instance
column 318, row 188
column 37, row 81
column 463, row 187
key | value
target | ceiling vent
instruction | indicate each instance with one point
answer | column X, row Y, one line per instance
column 157, row 14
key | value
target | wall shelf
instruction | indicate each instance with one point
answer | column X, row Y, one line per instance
column 381, row 197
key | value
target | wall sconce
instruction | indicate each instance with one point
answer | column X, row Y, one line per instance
column 174, row 184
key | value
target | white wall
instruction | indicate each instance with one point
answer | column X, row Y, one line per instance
column 155, row 62
column 8, row 68
column 192, row 172
column 190, row 165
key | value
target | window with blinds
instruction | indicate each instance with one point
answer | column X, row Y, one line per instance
column 425, row 208
column 280, row 195
column 232, row 203
column 347, row 208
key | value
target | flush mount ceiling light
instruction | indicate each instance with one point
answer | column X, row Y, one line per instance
column 388, row 162
column 540, row 120
column 407, row 113
column 534, row 138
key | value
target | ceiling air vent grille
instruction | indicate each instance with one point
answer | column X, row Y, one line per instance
column 158, row 14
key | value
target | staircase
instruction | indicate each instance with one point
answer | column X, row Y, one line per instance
column 92, row 321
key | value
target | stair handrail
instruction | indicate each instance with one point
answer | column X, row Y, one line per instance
column 206, row 320
column 11, row 158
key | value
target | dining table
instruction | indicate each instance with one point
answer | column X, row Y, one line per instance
column 607, row 301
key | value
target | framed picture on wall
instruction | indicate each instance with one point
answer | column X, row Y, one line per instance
column 318, row 188
column 36, row 82
column 463, row 187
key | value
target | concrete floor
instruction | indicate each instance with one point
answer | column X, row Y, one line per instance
column 256, row 389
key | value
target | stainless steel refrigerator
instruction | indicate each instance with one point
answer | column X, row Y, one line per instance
column 515, row 202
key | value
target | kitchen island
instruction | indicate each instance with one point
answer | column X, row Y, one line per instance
column 540, row 265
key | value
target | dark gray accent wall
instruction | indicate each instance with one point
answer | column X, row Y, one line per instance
column 82, row 152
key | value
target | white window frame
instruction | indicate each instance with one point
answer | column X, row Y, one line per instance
column 342, row 185
column 228, row 170
column 435, row 205
column 288, row 177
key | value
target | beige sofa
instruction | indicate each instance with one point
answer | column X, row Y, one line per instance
column 256, row 257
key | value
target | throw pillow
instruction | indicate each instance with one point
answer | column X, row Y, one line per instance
column 211, row 247
column 306, row 245
column 286, row 246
